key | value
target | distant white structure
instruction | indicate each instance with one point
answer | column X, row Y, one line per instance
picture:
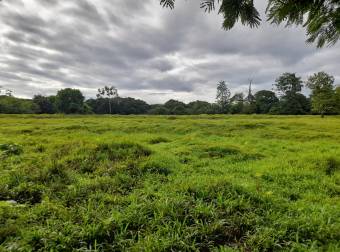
column 6, row 92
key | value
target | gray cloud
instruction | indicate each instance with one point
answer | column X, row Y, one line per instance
column 146, row 51
column 48, row 3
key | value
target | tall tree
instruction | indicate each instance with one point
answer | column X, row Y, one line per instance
column 199, row 107
column 288, row 83
column 70, row 101
column 109, row 92
column 13, row 105
column 289, row 86
column 176, row 107
column 128, row 106
column 45, row 104
column 237, row 103
column 321, row 18
column 158, row 110
column 265, row 100
column 223, row 96
column 337, row 99
column 323, row 93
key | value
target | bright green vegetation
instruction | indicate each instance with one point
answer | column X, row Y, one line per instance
column 166, row 183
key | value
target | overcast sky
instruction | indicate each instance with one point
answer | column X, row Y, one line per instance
column 145, row 51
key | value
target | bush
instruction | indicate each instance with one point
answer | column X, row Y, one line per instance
column 158, row 140
column 10, row 149
column 121, row 151
column 331, row 166
column 12, row 105
column 28, row 193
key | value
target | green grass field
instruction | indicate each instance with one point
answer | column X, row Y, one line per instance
column 170, row 183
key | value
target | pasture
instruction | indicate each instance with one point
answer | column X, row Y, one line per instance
column 169, row 183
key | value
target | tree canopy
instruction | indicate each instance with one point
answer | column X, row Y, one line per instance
column 323, row 93
column 70, row 101
column 288, row 84
column 223, row 95
column 265, row 100
column 321, row 18
column 46, row 104
column 292, row 102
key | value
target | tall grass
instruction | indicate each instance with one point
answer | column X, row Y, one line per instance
column 159, row 183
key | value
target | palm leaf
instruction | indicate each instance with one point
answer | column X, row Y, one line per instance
column 168, row 3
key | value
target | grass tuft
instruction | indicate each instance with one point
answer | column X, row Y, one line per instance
column 331, row 166
column 28, row 193
column 158, row 140
column 121, row 151
column 10, row 149
column 220, row 152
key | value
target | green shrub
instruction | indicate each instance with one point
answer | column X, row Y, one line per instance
column 332, row 165
column 121, row 151
column 156, row 167
column 28, row 193
column 10, row 149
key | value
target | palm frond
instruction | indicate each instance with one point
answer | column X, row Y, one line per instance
column 168, row 3
column 208, row 5
column 320, row 18
column 233, row 10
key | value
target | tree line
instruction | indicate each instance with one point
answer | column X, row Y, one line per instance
column 286, row 98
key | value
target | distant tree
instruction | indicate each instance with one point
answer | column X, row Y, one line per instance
column 128, row 106
column 158, row 110
column 237, row 103
column 109, row 92
column 215, row 109
column 288, row 83
column 98, row 106
column 249, row 108
column 13, row 105
column 46, row 104
column 175, row 107
column 119, row 105
column 223, row 96
column 337, row 99
column 70, row 101
column 294, row 104
column 320, row 18
column 323, row 93
column 292, row 101
column 264, row 101
column 52, row 99
column 199, row 107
